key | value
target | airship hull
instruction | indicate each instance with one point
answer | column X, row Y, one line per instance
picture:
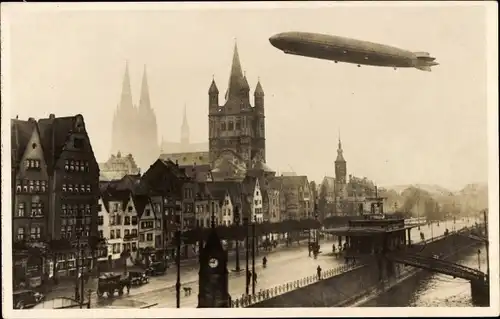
column 347, row 50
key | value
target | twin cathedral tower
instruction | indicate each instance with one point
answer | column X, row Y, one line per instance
column 236, row 128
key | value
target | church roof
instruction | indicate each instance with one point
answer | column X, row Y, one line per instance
column 213, row 88
column 187, row 158
column 258, row 90
column 236, row 78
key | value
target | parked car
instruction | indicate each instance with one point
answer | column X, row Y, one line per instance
column 138, row 277
column 24, row 299
column 156, row 269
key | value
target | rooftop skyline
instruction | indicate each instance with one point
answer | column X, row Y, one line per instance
column 397, row 127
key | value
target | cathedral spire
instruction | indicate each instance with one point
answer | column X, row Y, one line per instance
column 236, row 78
column 185, row 129
column 126, row 95
column 144, row 102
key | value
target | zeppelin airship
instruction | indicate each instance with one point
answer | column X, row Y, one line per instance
column 341, row 49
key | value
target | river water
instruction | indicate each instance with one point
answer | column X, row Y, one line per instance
column 427, row 289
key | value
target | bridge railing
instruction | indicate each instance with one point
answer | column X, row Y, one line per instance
column 264, row 294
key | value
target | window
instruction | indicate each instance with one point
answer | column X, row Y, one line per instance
column 32, row 187
column 141, row 237
column 238, row 125
column 82, row 166
column 134, row 246
column 99, row 207
column 27, row 163
column 230, row 126
column 223, row 126
column 134, row 232
column 63, row 231
column 18, row 186
column 77, row 189
column 87, row 209
column 100, row 220
column 87, row 230
column 86, row 166
column 37, row 163
column 20, row 210
column 72, row 166
column 127, row 220
column 149, row 237
column 82, row 188
column 129, row 208
column 20, row 233
column 118, row 220
column 88, row 220
column 88, row 188
column 112, row 234
column 147, row 212
column 78, row 142
column 115, row 207
column 127, row 232
column 36, row 209
column 118, row 234
column 37, row 186
column 36, row 232
column 66, row 165
column 63, row 210
column 70, row 188
column 43, row 186
column 134, row 220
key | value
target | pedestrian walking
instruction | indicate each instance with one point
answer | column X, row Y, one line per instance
column 318, row 270
column 254, row 277
column 249, row 277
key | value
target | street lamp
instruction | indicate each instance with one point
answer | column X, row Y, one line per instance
column 245, row 223
column 237, row 222
column 253, row 253
column 178, row 235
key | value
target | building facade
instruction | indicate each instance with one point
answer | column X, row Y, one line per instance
column 117, row 167
column 236, row 128
column 55, row 192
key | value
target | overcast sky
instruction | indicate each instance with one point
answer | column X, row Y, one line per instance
column 397, row 127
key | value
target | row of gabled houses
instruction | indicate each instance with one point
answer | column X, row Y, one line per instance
column 140, row 214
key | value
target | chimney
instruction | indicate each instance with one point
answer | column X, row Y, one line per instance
column 177, row 163
column 52, row 116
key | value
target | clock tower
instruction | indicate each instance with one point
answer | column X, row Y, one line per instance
column 213, row 274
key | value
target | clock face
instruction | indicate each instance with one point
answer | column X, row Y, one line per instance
column 213, row 262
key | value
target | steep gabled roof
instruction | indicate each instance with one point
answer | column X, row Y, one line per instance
column 294, row 181
column 114, row 195
column 140, row 202
column 21, row 132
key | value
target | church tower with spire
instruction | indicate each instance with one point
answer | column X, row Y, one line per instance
column 236, row 128
column 340, row 165
column 134, row 129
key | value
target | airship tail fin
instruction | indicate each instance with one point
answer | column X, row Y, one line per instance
column 424, row 68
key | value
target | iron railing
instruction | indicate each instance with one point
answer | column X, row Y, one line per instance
column 265, row 294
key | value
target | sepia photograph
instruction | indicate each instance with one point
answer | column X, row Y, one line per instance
column 166, row 157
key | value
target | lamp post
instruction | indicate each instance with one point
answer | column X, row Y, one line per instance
column 178, row 263
column 253, row 254
column 237, row 222
column 245, row 223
